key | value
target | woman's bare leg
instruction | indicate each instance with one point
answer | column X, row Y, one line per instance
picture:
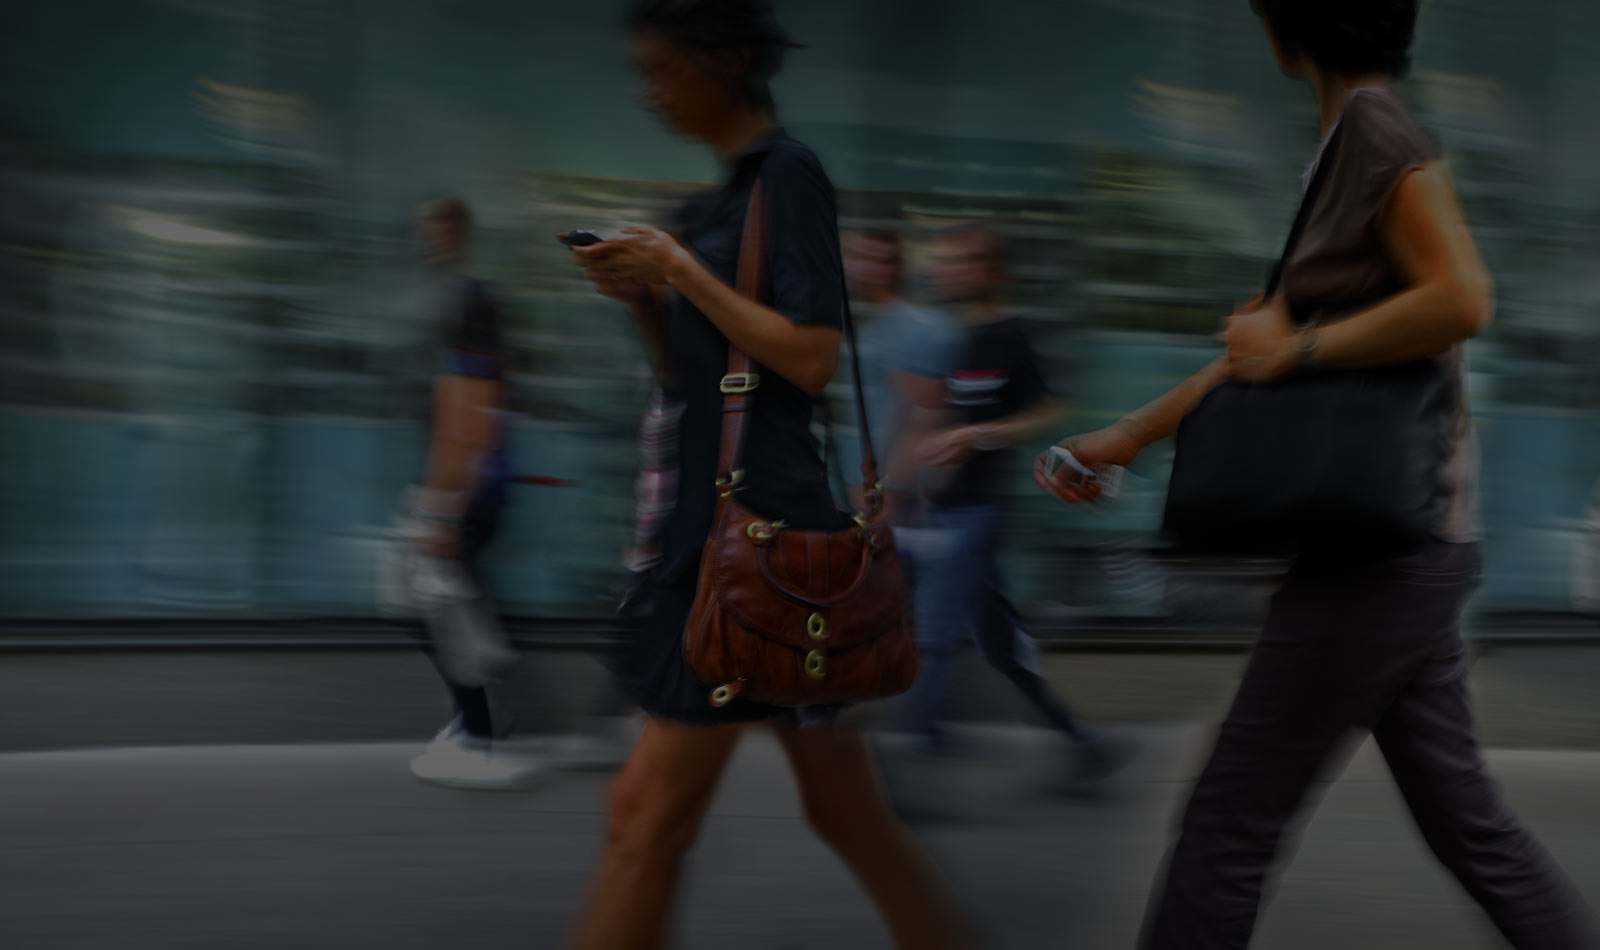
column 657, row 803
column 845, row 803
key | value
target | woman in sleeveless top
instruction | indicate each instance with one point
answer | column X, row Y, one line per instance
column 1351, row 648
column 705, row 67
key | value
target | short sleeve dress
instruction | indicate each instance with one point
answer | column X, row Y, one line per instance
column 785, row 476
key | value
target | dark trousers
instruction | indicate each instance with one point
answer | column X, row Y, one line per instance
column 471, row 703
column 1349, row 649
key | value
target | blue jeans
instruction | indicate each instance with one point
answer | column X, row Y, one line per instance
column 957, row 593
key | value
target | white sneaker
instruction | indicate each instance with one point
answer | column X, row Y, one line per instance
column 454, row 729
column 457, row 760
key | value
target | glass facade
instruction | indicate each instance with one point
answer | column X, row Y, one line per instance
column 216, row 356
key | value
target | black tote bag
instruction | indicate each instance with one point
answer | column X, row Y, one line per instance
column 1343, row 463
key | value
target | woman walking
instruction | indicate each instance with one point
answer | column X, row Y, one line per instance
column 705, row 67
column 1352, row 644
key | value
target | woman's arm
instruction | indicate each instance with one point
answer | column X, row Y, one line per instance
column 804, row 355
column 1121, row 442
column 1449, row 296
column 1159, row 419
column 796, row 337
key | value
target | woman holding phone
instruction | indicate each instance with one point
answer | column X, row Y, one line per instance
column 1351, row 645
column 705, row 67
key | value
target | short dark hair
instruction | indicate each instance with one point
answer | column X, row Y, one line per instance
column 722, row 26
column 891, row 238
column 1345, row 37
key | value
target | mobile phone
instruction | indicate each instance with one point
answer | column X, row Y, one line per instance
column 1108, row 478
column 1060, row 458
column 579, row 238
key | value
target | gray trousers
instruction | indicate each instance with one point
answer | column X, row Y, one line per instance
column 1349, row 649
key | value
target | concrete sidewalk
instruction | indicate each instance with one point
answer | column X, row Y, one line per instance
column 1527, row 697
column 335, row 846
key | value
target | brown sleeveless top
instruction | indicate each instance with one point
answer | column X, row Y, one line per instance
column 1341, row 256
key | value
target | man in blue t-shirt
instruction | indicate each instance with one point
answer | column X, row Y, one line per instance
column 906, row 351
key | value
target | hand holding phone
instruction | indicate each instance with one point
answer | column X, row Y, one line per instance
column 1108, row 478
column 579, row 237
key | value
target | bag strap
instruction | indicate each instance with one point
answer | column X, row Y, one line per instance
column 741, row 380
column 830, row 457
column 870, row 487
column 1308, row 204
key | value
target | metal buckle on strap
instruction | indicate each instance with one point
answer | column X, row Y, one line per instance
column 735, row 383
column 730, row 482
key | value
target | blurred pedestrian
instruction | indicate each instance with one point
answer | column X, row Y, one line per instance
column 996, row 398
column 1586, row 559
column 1353, row 643
column 906, row 352
column 706, row 65
column 460, row 504
column 655, row 492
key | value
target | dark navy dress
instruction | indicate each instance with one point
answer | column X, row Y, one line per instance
column 784, row 472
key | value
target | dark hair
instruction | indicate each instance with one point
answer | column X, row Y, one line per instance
column 1345, row 37
column 722, row 26
column 891, row 238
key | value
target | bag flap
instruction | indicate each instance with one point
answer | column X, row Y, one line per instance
column 831, row 590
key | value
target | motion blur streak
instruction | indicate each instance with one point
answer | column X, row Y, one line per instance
column 214, row 354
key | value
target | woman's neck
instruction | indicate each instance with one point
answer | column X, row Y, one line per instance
column 1334, row 91
column 740, row 131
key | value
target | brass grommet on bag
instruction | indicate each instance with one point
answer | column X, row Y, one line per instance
column 761, row 532
column 817, row 627
column 724, row 694
column 816, row 665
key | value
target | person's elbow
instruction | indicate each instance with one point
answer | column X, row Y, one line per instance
column 816, row 371
column 1469, row 302
column 813, row 359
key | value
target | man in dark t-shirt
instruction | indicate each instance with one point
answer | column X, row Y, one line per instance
column 996, row 399
column 467, row 473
